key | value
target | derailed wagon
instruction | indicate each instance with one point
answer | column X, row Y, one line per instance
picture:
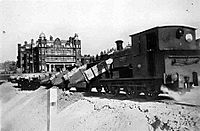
column 28, row 81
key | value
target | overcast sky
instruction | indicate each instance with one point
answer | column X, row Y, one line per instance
column 99, row 23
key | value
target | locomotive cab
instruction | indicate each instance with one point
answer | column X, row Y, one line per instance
column 181, row 55
column 170, row 54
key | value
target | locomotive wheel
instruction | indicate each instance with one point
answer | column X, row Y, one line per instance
column 99, row 89
column 106, row 89
column 115, row 90
column 150, row 94
column 112, row 90
column 131, row 92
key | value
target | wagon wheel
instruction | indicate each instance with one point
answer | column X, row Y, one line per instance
column 25, row 85
column 19, row 85
column 135, row 92
column 115, row 90
column 99, row 89
column 65, row 85
column 131, row 92
column 37, row 85
column 80, row 89
column 34, row 85
column 88, row 87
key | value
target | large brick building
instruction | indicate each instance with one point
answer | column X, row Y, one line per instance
column 49, row 55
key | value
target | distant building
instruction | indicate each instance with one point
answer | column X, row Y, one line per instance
column 25, row 57
column 49, row 55
column 86, row 59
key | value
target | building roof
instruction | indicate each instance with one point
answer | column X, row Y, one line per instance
column 42, row 35
column 157, row 27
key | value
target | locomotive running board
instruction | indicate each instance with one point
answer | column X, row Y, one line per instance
column 125, row 79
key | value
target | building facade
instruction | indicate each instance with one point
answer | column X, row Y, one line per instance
column 49, row 55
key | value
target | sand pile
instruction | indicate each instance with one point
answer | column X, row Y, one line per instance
column 27, row 110
column 88, row 115
column 67, row 98
column 24, row 110
column 110, row 114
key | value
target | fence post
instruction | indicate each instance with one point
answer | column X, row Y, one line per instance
column 51, row 107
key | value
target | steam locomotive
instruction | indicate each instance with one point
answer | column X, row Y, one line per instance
column 167, row 55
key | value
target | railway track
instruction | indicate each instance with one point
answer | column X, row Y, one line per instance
column 172, row 102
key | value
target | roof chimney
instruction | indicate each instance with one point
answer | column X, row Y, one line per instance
column 51, row 38
column 25, row 43
column 119, row 44
column 32, row 41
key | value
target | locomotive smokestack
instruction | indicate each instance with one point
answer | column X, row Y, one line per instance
column 119, row 44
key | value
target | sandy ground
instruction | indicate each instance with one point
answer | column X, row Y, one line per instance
column 100, row 114
column 27, row 111
column 23, row 110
